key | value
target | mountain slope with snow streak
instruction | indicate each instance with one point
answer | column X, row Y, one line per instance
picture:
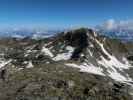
column 84, row 48
column 92, row 53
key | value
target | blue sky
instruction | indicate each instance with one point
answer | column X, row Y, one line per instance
column 62, row 13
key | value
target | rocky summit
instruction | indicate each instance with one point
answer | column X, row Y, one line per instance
column 79, row 64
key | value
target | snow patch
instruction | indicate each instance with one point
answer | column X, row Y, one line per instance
column 125, row 61
column 3, row 63
column 91, row 45
column 114, row 66
column 30, row 65
column 87, row 68
column 91, row 54
column 70, row 49
column 118, row 77
column 47, row 51
column 64, row 56
column 113, row 60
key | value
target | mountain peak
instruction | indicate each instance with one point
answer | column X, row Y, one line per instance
column 77, row 52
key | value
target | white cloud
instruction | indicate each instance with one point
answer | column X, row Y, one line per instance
column 110, row 24
column 113, row 24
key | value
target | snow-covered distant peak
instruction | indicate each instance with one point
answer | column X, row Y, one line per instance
column 41, row 36
column 18, row 36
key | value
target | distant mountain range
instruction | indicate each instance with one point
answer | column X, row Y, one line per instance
column 22, row 33
column 124, row 35
column 117, row 33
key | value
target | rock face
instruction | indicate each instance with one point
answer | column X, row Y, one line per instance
column 130, row 58
column 75, row 65
column 79, row 40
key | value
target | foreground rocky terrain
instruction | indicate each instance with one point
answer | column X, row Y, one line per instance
column 75, row 65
